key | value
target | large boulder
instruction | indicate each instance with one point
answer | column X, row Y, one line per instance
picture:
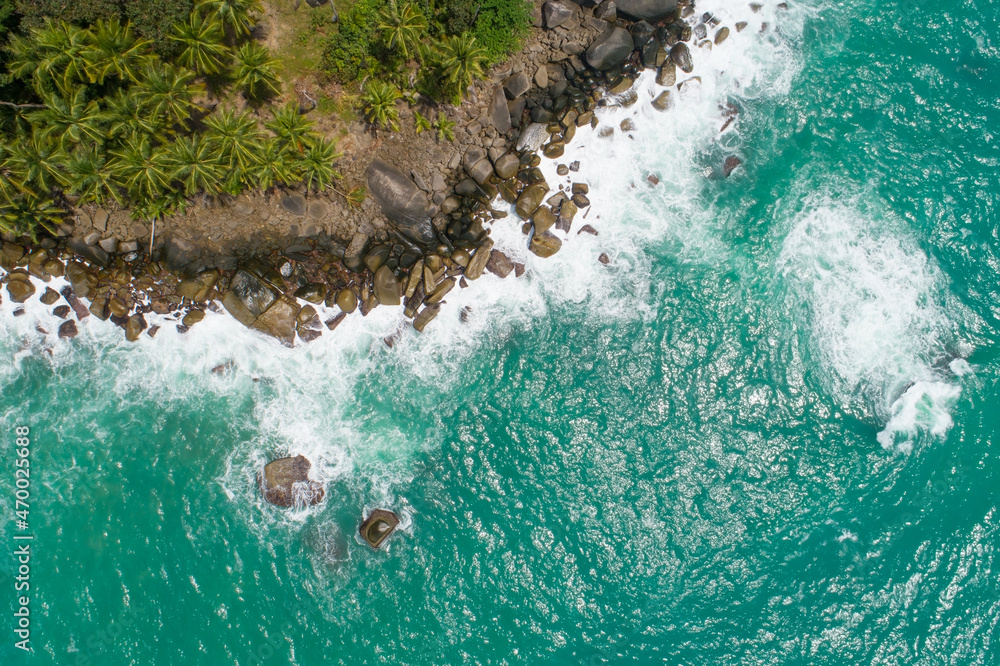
column 280, row 320
column 555, row 14
column 405, row 204
column 646, row 9
column 499, row 113
column 285, row 482
column 377, row 527
column 610, row 49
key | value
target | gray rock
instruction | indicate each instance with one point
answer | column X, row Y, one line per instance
column 555, row 14
column 646, row 9
column 681, row 55
column 506, row 166
column 91, row 253
column 294, row 204
column 667, row 76
column 610, row 49
column 533, row 136
column 317, row 210
column 664, row 101
column 499, row 113
column 516, row 85
column 607, row 11
column 129, row 246
column 472, row 157
column 542, row 76
column 406, row 205
column 355, row 252
column 387, row 289
column 92, row 238
column 100, row 219
column 481, row 171
column 109, row 245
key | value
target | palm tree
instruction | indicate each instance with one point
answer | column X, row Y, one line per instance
column 141, row 168
column 255, row 72
column 89, row 178
column 316, row 164
column 274, row 167
column 461, row 60
column 24, row 214
column 235, row 137
column 128, row 115
column 168, row 91
column 402, row 27
column 291, row 127
column 195, row 164
column 237, row 15
column 34, row 163
column 69, row 120
column 379, row 104
column 60, row 61
column 201, row 38
column 114, row 51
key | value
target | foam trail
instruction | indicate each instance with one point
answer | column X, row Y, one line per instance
column 878, row 316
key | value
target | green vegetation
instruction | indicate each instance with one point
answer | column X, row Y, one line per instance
column 379, row 104
column 94, row 115
column 386, row 39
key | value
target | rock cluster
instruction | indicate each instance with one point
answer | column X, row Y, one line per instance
column 285, row 482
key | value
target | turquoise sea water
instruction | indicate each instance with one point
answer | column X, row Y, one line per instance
column 764, row 434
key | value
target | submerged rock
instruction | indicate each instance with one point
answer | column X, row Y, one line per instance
column 285, row 482
column 377, row 527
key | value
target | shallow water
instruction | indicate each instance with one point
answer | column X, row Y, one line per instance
column 763, row 434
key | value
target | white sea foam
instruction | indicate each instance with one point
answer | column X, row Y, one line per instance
column 878, row 315
column 306, row 396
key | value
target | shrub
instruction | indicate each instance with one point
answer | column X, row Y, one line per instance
column 353, row 52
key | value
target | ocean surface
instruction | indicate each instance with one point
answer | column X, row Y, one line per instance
column 764, row 433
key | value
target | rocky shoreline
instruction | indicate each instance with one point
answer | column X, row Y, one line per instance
column 420, row 233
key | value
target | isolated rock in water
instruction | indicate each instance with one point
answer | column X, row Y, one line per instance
column 285, row 482
column 646, row 9
column 377, row 527
column 67, row 329
column 730, row 164
column 610, row 49
column 406, row 205
column 555, row 14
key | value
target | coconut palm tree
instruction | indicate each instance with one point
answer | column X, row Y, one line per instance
column 127, row 115
column 201, row 39
column 316, row 164
column 402, row 27
column 236, row 15
column 69, row 120
column 460, row 60
column 25, row 214
column 89, row 178
column 235, row 137
column 34, row 163
column 255, row 72
column 378, row 101
column 194, row 162
column 113, row 50
column 292, row 128
column 143, row 169
column 168, row 91
column 275, row 166
column 58, row 57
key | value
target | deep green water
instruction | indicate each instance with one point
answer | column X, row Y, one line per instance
column 764, row 434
